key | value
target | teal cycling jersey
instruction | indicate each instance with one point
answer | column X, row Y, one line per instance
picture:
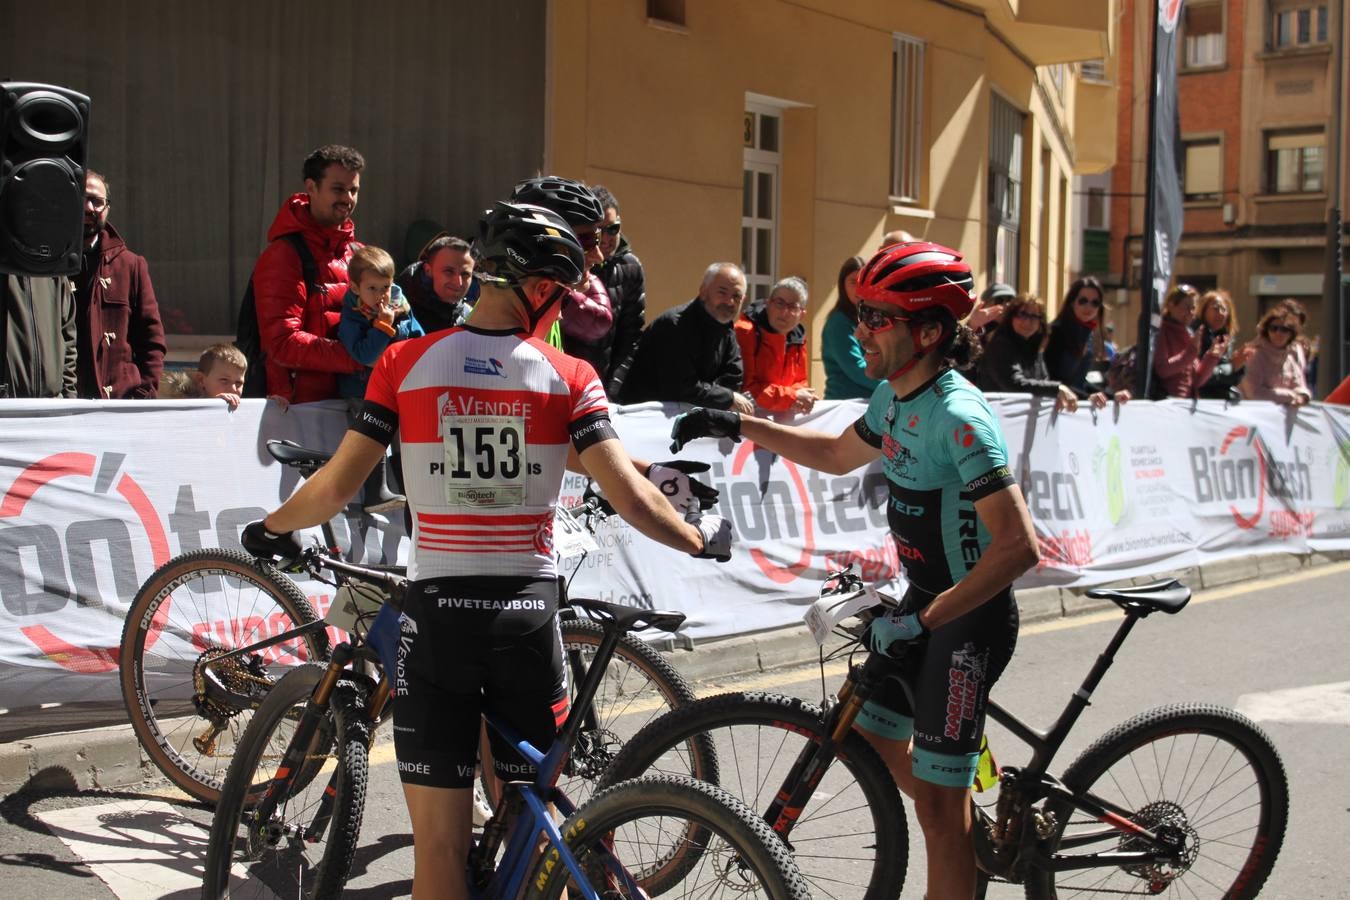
column 942, row 451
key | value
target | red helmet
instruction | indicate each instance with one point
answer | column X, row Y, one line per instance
column 919, row 276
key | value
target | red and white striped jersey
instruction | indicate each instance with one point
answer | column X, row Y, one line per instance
column 485, row 418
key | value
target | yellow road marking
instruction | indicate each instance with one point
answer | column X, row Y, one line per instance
column 840, row 667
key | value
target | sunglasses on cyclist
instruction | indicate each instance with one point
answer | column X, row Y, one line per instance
column 612, row 229
column 878, row 320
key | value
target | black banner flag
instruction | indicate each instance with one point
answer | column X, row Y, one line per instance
column 1162, row 206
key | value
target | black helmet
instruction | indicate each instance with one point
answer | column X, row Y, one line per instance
column 517, row 240
column 570, row 199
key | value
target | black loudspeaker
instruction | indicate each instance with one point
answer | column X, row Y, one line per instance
column 43, row 146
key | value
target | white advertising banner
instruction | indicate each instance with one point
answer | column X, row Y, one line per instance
column 95, row 496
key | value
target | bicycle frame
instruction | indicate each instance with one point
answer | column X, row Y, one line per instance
column 1032, row 784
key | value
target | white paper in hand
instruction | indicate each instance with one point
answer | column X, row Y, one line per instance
column 570, row 539
column 827, row 612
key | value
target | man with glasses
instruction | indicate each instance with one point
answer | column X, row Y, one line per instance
column 119, row 335
column 690, row 354
column 620, row 271
column 959, row 523
column 773, row 350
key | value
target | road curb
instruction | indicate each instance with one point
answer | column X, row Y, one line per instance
column 110, row 758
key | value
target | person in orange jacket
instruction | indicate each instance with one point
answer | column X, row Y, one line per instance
column 773, row 348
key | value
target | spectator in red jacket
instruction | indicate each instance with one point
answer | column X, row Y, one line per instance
column 120, row 337
column 299, row 327
column 773, row 349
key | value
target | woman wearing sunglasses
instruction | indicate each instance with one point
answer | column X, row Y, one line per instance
column 1179, row 366
column 1275, row 370
column 1076, row 341
column 1013, row 363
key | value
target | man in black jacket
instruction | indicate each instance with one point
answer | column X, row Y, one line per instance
column 689, row 353
column 621, row 273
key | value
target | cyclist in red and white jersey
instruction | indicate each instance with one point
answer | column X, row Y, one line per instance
column 489, row 416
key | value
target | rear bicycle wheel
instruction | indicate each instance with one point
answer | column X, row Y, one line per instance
column 850, row 841
column 640, row 825
column 192, row 609
column 290, row 852
column 1203, row 773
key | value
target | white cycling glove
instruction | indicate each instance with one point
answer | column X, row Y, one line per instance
column 717, row 538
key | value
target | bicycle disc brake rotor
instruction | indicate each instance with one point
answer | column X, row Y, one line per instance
column 595, row 750
column 1169, row 821
column 238, row 674
column 732, row 872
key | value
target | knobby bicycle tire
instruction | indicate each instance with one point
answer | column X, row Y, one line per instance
column 1206, row 770
column 169, row 628
column 742, row 857
column 286, row 867
column 639, row 686
column 851, row 840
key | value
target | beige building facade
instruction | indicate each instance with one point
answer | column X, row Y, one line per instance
column 791, row 135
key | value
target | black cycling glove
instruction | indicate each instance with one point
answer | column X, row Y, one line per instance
column 687, row 495
column 702, row 422
column 263, row 544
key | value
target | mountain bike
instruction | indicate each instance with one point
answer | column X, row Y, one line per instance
column 211, row 631
column 1190, row 798
column 299, row 837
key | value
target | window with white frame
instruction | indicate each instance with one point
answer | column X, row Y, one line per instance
column 906, row 118
column 1004, row 222
column 1297, row 23
column 1294, row 161
column 762, row 140
column 1202, row 34
column 1202, row 173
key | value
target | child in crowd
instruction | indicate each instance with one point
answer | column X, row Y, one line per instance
column 374, row 315
column 220, row 373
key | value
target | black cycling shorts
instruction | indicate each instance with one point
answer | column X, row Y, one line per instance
column 472, row 647
column 951, row 674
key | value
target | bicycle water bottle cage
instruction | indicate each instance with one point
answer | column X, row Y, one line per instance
column 629, row 619
column 1169, row 596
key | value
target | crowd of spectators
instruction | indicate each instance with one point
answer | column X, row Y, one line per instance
column 323, row 324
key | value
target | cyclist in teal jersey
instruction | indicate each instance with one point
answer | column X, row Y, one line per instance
column 960, row 526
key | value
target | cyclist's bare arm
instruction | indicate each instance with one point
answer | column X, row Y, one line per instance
column 1012, row 550
column 328, row 491
column 574, row 463
column 835, row 454
column 636, row 499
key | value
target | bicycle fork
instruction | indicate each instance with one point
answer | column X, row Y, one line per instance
column 813, row 761
column 294, row 759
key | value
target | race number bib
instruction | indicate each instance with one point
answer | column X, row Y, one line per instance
column 485, row 462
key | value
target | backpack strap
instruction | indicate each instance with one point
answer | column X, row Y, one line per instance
column 308, row 268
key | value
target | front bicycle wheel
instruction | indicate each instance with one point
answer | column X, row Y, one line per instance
column 303, row 845
column 1204, row 775
column 635, row 828
column 639, row 686
column 850, row 840
column 194, row 608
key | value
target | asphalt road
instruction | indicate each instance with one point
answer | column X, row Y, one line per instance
column 1274, row 649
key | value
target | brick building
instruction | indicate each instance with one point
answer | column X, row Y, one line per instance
column 1255, row 81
